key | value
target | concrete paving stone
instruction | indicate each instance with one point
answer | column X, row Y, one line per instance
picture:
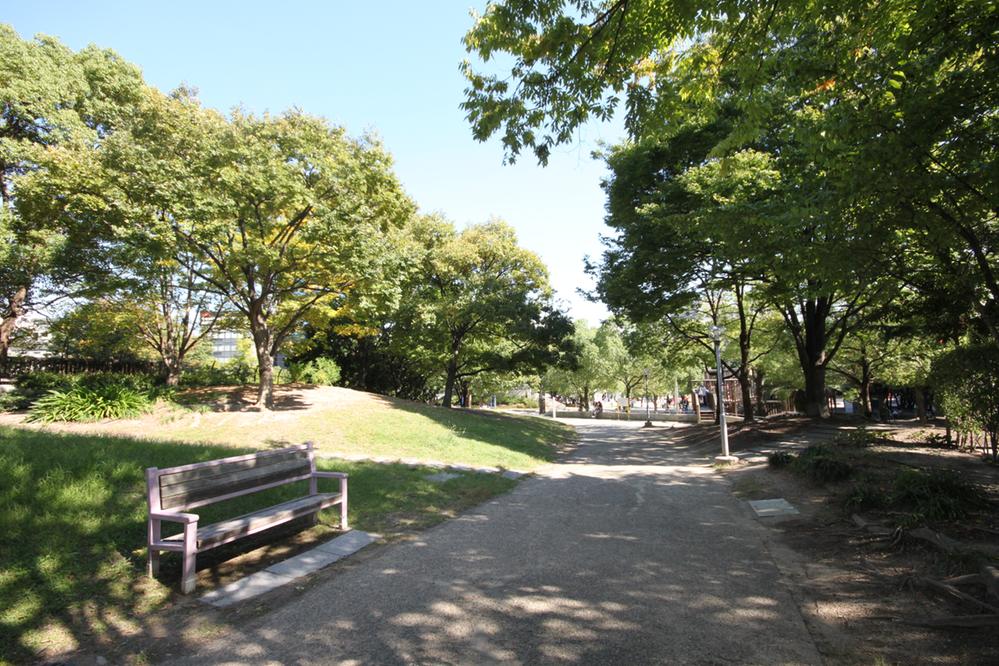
column 305, row 563
column 245, row 588
column 349, row 543
column 487, row 470
column 511, row 474
column 461, row 468
column 773, row 507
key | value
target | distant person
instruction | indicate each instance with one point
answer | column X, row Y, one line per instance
column 598, row 409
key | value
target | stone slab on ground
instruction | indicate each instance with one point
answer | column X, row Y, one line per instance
column 245, row 588
column 770, row 508
column 305, row 563
column 290, row 569
column 349, row 543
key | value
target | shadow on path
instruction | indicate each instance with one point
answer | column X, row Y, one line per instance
column 629, row 551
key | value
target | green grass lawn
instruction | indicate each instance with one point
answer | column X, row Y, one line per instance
column 365, row 424
column 72, row 512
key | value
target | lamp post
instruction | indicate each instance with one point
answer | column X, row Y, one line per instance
column 716, row 335
column 648, row 419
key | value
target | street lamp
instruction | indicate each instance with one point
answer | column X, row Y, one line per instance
column 648, row 419
column 716, row 335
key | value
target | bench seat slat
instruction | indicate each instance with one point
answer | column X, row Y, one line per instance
column 223, row 532
column 184, row 493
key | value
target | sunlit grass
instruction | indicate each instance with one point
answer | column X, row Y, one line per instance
column 72, row 527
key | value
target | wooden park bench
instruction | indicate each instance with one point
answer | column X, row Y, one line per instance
column 174, row 491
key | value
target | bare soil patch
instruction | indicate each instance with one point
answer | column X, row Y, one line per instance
column 863, row 595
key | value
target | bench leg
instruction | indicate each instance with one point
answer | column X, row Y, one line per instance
column 153, row 559
column 343, row 505
column 188, row 577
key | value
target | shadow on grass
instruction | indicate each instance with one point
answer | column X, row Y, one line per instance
column 73, row 532
column 287, row 397
column 532, row 436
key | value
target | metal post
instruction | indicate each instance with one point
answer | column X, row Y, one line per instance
column 725, row 457
column 648, row 419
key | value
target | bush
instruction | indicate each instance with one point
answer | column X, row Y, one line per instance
column 821, row 464
column 861, row 437
column 867, row 493
column 234, row 372
column 319, row 371
column 80, row 403
column 935, row 495
column 780, row 459
column 36, row 385
column 967, row 384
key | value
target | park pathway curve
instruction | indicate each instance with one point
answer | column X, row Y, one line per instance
column 630, row 550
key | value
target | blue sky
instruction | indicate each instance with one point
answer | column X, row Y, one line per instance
column 390, row 67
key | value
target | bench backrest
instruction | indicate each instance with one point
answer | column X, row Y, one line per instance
column 198, row 484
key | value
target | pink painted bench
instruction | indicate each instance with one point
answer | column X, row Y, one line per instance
column 174, row 491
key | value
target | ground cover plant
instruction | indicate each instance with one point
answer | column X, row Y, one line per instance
column 72, row 529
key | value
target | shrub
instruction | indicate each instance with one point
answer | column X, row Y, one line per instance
column 967, row 383
column 935, row 495
column 234, row 372
column 80, row 403
column 320, row 371
column 821, row 464
column 779, row 459
column 34, row 385
column 867, row 493
column 861, row 437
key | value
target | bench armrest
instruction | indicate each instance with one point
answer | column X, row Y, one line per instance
column 329, row 475
column 185, row 518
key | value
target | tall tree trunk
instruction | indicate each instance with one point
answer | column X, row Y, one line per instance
column 865, row 388
column 452, row 373
column 263, row 345
column 761, row 400
column 695, row 400
column 745, row 344
column 815, row 392
column 173, row 370
column 920, row 396
column 541, row 398
column 586, row 397
column 9, row 320
column 746, row 384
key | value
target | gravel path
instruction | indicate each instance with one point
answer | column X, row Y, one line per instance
column 631, row 550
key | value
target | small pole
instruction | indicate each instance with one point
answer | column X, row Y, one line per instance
column 648, row 419
column 725, row 457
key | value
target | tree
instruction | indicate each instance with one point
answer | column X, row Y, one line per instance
column 622, row 369
column 967, row 379
column 286, row 217
column 680, row 250
column 480, row 303
column 96, row 331
column 53, row 101
column 173, row 312
column 880, row 118
column 584, row 374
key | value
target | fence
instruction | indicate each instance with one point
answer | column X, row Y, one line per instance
column 14, row 367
